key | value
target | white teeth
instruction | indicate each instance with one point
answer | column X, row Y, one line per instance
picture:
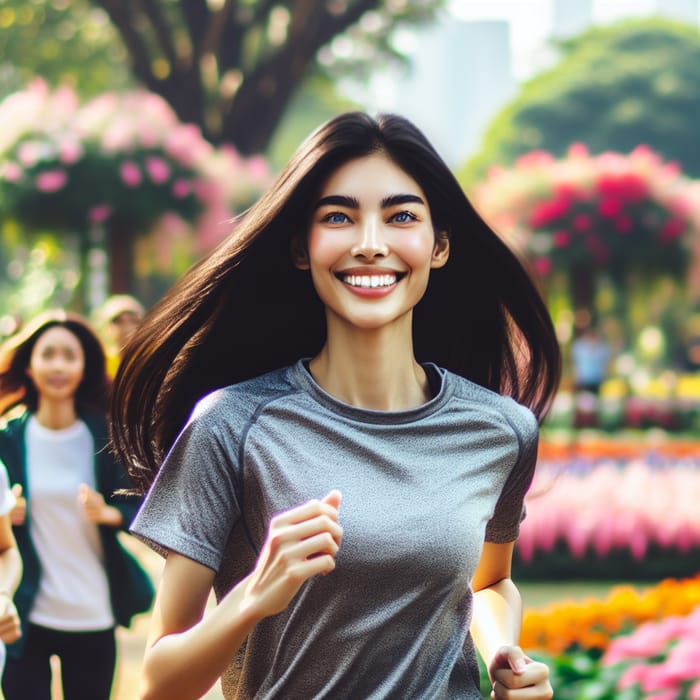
column 367, row 281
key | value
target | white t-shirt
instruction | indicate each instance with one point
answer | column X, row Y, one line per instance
column 73, row 591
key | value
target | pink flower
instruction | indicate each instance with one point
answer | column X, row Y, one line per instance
column 546, row 212
column 29, row 153
column 51, row 180
column 69, row 152
column 610, row 206
column 623, row 223
column 561, row 239
column 12, row 172
column 671, row 230
column 543, row 266
column 632, row 675
column 100, row 213
column 131, row 174
column 582, row 222
column 158, row 169
column 181, row 188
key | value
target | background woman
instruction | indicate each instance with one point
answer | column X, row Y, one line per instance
column 370, row 330
column 75, row 585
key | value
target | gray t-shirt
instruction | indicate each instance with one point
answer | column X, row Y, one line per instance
column 422, row 489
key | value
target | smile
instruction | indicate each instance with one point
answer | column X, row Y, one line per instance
column 369, row 281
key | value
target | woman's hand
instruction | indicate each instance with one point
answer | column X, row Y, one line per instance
column 19, row 512
column 10, row 630
column 516, row 676
column 94, row 508
column 301, row 543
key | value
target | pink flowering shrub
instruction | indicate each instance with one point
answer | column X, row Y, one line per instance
column 659, row 659
column 611, row 510
column 629, row 211
column 66, row 165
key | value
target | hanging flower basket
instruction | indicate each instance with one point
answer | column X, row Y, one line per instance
column 118, row 157
column 622, row 213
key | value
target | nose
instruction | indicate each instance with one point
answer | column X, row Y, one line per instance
column 371, row 243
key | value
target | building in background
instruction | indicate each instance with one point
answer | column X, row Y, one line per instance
column 571, row 17
column 465, row 67
column 682, row 10
column 459, row 76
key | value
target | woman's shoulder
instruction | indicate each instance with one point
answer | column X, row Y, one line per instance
column 519, row 415
column 247, row 395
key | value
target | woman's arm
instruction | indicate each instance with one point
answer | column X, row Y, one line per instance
column 187, row 651
column 10, row 575
column 496, row 628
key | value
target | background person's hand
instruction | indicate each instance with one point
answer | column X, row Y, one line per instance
column 19, row 512
column 10, row 630
column 515, row 675
column 301, row 543
column 94, row 508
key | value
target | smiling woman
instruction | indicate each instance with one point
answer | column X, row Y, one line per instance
column 362, row 336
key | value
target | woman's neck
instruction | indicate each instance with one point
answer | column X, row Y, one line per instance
column 373, row 369
column 56, row 415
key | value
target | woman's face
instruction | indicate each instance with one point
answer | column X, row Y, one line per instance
column 371, row 243
column 57, row 364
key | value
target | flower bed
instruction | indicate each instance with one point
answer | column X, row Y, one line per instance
column 630, row 646
column 631, row 517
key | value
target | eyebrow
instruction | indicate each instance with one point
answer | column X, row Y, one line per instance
column 353, row 203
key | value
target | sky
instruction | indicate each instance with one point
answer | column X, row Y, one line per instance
column 531, row 22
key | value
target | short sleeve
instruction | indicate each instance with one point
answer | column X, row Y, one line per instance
column 509, row 512
column 7, row 499
column 193, row 504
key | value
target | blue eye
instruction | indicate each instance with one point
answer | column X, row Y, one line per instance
column 403, row 217
column 336, row 217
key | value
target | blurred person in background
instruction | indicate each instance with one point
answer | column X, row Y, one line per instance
column 77, row 580
column 116, row 320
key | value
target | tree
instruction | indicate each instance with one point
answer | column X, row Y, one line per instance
column 615, row 87
column 232, row 66
column 70, row 43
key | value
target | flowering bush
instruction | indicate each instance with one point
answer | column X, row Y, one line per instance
column 606, row 518
column 630, row 646
column 671, row 402
column 593, row 624
column 659, row 659
column 66, row 166
column 631, row 212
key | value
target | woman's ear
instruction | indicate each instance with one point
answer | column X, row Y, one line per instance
column 299, row 253
column 441, row 250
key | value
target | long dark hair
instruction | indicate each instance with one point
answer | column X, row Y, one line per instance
column 17, row 388
column 245, row 309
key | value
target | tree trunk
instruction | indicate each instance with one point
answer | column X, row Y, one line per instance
column 120, row 248
column 582, row 288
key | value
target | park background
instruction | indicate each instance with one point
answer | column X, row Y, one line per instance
column 130, row 133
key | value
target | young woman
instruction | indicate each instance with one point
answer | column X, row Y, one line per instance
column 354, row 490
column 76, row 584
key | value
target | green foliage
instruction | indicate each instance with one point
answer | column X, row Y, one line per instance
column 62, row 41
column 615, row 87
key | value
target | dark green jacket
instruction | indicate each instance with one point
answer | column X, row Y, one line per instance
column 131, row 590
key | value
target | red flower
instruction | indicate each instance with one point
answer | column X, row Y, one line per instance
column 561, row 239
column 609, row 207
column 671, row 230
column 546, row 212
column 624, row 223
column 582, row 222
